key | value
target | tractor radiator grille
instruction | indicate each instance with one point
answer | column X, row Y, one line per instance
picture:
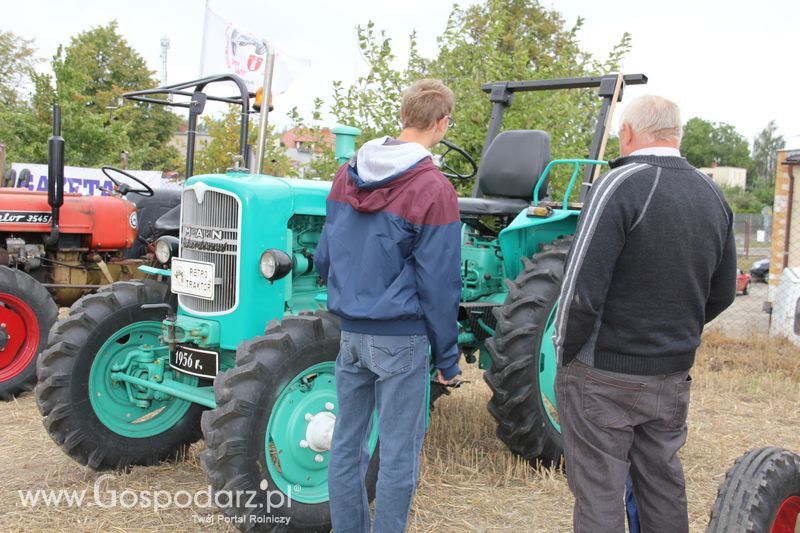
column 210, row 233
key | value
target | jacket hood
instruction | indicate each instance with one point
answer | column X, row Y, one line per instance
column 380, row 171
column 377, row 162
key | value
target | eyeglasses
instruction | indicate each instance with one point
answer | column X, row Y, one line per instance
column 450, row 122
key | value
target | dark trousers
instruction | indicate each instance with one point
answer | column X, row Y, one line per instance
column 615, row 424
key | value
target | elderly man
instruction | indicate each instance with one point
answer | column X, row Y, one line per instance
column 653, row 261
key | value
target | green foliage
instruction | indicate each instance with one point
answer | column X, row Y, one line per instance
column 91, row 73
column 372, row 103
column 704, row 143
column 765, row 146
column 16, row 65
column 323, row 163
column 216, row 156
column 496, row 40
column 764, row 193
column 744, row 201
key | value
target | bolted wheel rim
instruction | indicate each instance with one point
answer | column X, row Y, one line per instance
column 19, row 336
column 297, row 441
column 786, row 519
column 111, row 400
column 547, row 371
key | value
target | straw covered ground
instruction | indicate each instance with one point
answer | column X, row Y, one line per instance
column 746, row 394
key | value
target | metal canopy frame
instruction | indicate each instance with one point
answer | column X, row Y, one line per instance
column 502, row 93
column 195, row 92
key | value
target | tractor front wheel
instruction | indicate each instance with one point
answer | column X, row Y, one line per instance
column 760, row 494
column 27, row 312
column 269, row 436
column 97, row 418
column 522, row 375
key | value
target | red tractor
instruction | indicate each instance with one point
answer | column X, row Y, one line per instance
column 56, row 247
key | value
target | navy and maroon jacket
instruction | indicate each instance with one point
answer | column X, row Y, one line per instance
column 390, row 248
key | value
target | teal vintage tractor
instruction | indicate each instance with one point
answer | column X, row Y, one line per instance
column 234, row 343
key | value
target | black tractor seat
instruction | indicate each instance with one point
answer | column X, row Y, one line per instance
column 491, row 206
column 167, row 224
column 508, row 174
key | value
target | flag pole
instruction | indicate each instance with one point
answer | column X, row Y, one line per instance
column 265, row 101
column 203, row 39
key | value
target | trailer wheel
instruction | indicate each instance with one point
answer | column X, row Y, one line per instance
column 106, row 423
column 760, row 494
column 522, row 375
column 27, row 312
column 257, row 439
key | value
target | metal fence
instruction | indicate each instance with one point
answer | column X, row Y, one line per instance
column 749, row 315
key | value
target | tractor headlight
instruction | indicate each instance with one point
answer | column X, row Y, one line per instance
column 166, row 248
column 275, row 264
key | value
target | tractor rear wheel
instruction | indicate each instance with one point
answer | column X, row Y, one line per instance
column 108, row 423
column 760, row 494
column 522, row 375
column 27, row 312
column 262, row 439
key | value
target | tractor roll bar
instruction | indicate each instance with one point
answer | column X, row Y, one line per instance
column 501, row 94
column 196, row 104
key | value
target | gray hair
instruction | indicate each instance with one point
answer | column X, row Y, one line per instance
column 654, row 116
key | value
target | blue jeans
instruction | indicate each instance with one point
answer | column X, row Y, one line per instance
column 630, row 508
column 389, row 373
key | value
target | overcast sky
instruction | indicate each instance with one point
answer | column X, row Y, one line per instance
column 721, row 60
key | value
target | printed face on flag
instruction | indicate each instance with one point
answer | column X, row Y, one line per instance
column 244, row 50
column 228, row 48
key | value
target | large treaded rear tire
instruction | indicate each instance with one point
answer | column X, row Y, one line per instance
column 17, row 287
column 235, row 458
column 760, row 494
column 517, row 405
column 62, row 393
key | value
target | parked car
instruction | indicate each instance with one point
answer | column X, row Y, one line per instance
column 742, row 282
column 760, row 270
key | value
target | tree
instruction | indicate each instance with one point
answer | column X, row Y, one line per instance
column 765, row 146
column 372, row 103
column 494, row 41
column 17, row 60
column 90, row 75
column 323, row 163
column 216, row 156
column 705, row 143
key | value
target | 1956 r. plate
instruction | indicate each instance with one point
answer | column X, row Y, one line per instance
column 194, row 361
column 193, row 278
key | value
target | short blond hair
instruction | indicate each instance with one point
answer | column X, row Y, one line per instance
column 425, row 102
column 655, row 117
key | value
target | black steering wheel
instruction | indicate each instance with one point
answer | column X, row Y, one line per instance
column 124, row 188
column 449, row 171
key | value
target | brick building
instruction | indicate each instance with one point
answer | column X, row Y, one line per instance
column 785, row 250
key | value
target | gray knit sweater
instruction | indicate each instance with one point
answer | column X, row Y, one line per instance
column 653, row 260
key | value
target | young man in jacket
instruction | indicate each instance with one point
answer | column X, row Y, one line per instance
column 653, row 260
column 390, row 253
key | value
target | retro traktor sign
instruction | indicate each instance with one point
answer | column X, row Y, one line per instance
column 231, row 48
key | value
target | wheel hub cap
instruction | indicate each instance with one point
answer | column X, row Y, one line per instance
column 20, row 336
column 319, row 432
column 3, row 337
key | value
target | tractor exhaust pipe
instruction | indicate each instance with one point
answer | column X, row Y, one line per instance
column 55, row 174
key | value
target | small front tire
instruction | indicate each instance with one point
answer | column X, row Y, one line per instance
column 255, row 438
column 87, row 413
column 760, row 494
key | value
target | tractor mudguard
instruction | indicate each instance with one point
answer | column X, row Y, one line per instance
column 525, row 235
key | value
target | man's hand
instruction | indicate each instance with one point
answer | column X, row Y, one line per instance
column 445, row 381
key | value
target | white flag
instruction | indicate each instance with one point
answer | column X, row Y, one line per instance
column 231, row 49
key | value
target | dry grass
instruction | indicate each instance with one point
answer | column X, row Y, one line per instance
column 745, row 395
